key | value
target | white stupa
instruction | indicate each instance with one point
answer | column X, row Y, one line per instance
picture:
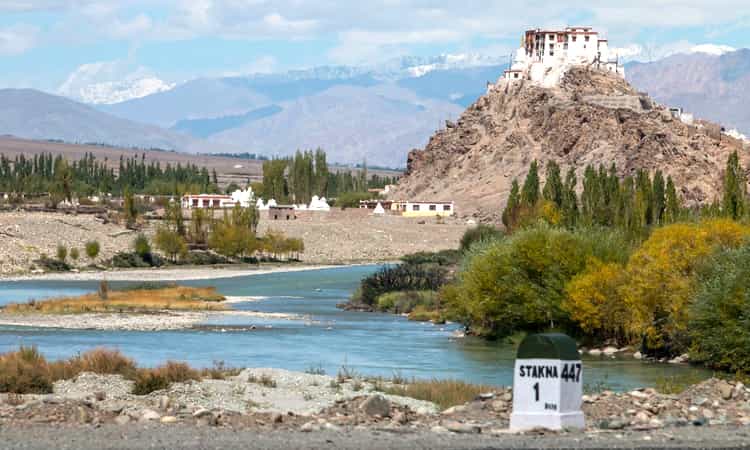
column 319, row 204
column 379, row 210
column 260, row 205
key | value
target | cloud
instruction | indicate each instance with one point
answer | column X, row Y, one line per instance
column 17, row 39
column 107, row 82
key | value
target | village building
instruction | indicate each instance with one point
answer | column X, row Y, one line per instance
column 424, row 209
column 545, row 55
column 238, row 197
column 282, row 212
column 372, row 204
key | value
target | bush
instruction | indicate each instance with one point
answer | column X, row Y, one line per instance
column 444, row 393
column 126, row 260
column 92, row 249
column 74, row 254
column 477, row 234
column 441, row 258
column 404, row 302
column 403, row 277
column 171, row 243
column 25, row 372
column 150, row 380
column 518, row 283
column 62, row 252
column 141, row 246
column 52, row 265
column 719, row 326
column 202, row 258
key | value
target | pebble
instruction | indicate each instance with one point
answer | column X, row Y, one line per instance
column 149, row 414
column 277, row 418
column 462, row 428
column 454, row 410
column 202, row 412
column 169, row 419
column 439, row 429
column 308, row 427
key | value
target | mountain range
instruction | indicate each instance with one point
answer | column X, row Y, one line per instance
column 355, row 113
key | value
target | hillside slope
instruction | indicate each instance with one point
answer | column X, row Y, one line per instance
column 32, row 114
column 591, row 118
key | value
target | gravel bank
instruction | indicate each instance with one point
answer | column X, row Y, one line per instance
column 156, row 321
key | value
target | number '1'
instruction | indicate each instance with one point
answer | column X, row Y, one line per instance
column 536, row 391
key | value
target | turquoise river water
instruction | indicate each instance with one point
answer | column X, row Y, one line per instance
column 318, row 335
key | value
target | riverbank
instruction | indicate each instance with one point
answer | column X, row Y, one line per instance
column 279, row 401
column 174, row 273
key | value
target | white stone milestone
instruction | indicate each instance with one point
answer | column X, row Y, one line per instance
column 547, row 384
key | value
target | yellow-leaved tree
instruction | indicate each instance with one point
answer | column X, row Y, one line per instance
column 661, row 278
column 595, row 303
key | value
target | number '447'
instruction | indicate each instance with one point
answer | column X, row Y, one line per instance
column 571, row 372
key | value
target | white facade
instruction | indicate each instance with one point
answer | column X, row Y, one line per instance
column 244, row 198
column 239, row 197
column 545, row 55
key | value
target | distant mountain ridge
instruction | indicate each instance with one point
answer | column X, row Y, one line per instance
column 715, row 87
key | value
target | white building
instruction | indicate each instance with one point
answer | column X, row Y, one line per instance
column 239, row 197
column 545, row 55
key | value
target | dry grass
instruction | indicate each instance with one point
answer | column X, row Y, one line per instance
column 26, row 371
column 140, row 300
column 150, row 380
column 263, row 380
column 444, row 393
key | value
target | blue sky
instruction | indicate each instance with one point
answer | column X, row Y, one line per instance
column 62, row 45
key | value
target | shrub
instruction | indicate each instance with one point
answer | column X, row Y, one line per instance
column 25, row 372
column 661, row 279
column 74, row 254
column 150, row 380
column 92, row 249
column 441, row 258
column 479, row 233
column 52, row 265
column 141, row 246
column 719, row 326
column 171, row 243
column 404, row 302
column 351, row 199
column 62, row 252
column 400, row 278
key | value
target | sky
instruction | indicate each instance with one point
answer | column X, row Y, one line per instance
column 99, row 47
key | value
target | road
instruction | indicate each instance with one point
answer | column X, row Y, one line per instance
column 138, row 436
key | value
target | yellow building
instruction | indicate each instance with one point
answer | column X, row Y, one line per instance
column 424, row 209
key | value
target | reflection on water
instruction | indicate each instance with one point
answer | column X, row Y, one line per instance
column 315, row 333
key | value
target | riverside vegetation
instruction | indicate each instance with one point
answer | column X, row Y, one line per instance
column 623, row 263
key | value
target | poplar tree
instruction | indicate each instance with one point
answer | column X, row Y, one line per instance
column 658, row 198
column 735, row 188
column 511, row 208
column 530, row 191
column 553, row 186
column 672, row 207
column 570, row 199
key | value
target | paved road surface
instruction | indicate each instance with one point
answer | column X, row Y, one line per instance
column 189, row 438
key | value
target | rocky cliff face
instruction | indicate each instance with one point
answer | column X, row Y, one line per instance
column 591, row 118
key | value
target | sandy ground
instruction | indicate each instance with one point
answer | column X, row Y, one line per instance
column 338, row 237
column 356, row 235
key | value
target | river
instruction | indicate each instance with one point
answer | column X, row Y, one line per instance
column 318, row 335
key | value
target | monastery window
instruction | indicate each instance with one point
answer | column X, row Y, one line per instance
column 587, row 38
column 446, row 207
column 515, row 75
column 551, row 36
column 415, row 208
column 433, row 207
column 574, row 38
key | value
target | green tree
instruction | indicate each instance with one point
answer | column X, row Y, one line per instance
column 553, row 186
column 659, row 198
column 530, row 191
column 672, row 207
column 92, row 249
column 142, row 246
column 510, row 213
column 171, row 243
column 735, row 188
column 570, row 200
column 62, row 252
column 74, row 254
column 129, row 209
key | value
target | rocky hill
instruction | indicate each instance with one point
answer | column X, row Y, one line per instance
column 590, row 118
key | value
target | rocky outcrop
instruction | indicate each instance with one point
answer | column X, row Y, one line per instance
column 591, row 118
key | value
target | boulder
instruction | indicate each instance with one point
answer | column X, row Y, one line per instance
column 376, row 405
column 148, row 415
column 462, row 428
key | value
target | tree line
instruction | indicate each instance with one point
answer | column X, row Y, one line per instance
column 297, row 179
column 45, row 173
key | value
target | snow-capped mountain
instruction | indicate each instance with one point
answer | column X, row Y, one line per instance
column 112, row 92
